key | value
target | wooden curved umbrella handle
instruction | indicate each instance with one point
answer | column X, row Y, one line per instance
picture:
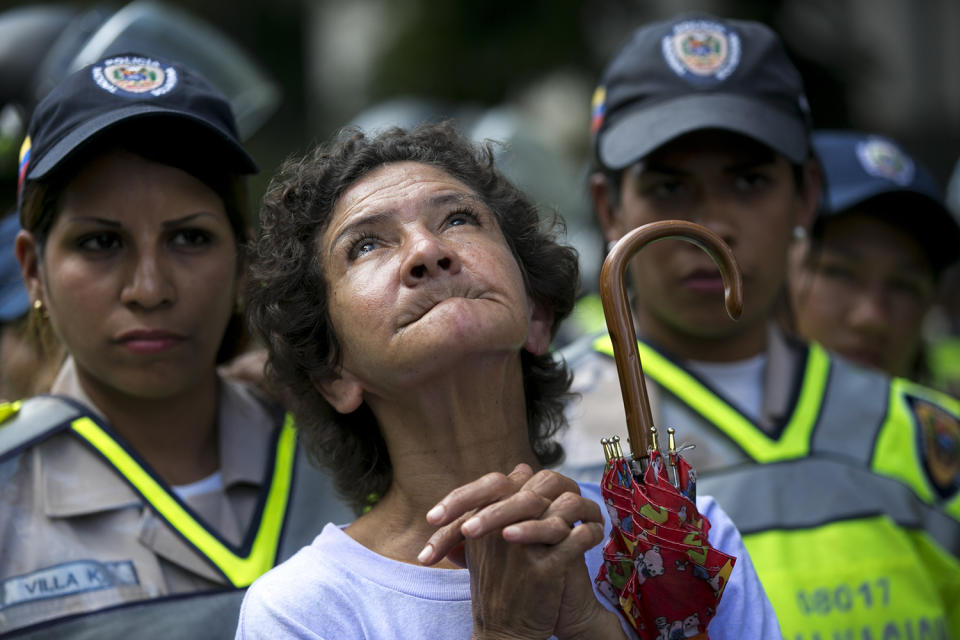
column 616, row 310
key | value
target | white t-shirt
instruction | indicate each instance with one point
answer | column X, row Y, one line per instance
column 212, row 483
column 337, row 589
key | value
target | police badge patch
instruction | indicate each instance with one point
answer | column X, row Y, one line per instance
column 701, row 51
column 134, row 76
column 939, row 445
column 883, row 159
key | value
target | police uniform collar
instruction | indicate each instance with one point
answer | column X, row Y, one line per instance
column 77, row 482
column 245, row 427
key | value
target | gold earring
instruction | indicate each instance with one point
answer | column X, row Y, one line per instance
column 39, row 309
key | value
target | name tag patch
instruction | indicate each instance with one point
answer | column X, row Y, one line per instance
column 66, row 580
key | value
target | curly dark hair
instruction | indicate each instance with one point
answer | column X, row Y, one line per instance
column 288, row 291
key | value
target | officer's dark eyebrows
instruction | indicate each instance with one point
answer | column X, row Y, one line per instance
column 647, row 166
column 168, row 224
column 94, row 219
column 761, row 158
column 749, row 165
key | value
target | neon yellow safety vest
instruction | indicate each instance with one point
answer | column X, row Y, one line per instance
column 943, row 360
column 850, row 537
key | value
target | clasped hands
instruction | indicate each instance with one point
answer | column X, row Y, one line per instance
column 523, row 537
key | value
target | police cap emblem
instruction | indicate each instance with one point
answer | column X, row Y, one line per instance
column 701, row 51
column 883, row 159
column 134, row 76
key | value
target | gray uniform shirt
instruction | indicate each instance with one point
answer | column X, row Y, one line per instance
column 74, row 537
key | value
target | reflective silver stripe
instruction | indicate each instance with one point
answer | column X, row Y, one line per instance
column 854, row 408
column 810, row 492
column 36, row 417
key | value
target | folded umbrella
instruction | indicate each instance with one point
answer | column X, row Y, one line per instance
column 659, row 569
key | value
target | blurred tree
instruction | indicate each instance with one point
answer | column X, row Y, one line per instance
column 479, row 51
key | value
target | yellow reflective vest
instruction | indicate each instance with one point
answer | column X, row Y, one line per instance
column 851, row 513
column 297, row 500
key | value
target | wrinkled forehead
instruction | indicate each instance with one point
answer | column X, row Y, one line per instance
column 398, row 180
column 395, row 189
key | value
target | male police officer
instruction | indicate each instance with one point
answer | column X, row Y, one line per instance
column 820, row 464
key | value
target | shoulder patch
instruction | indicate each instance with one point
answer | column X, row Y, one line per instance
column 24, row 423
column 939, row 444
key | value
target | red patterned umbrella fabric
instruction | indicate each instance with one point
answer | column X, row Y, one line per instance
column 659, row 568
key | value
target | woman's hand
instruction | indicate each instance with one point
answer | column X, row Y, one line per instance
column 525, row 535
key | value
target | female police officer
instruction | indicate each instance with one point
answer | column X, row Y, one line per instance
column 147, row 476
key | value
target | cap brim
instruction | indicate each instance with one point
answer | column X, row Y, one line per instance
column 78, row 137
column 635, row 134
column 842, row 198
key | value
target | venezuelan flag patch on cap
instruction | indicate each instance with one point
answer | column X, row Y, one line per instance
column 24, row 162
column 597, row 109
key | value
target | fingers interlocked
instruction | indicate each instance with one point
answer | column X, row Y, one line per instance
column 542, row 508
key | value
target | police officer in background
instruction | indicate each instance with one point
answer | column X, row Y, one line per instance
column 866, row 278
column 822, row 465
column 144, row 495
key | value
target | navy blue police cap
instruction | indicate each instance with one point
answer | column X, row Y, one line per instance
column 861, row 168
column 695, row 72
column 125, row 88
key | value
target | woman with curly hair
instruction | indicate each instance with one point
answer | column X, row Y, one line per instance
column 407, row 293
